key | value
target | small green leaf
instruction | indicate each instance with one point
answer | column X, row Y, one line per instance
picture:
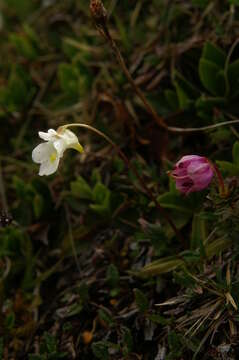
column 188, row 88
column 175, row 344
column 102, row 198
column 141, row 300
column 214, row 54
column 10, row 320
column 161, row 266
column 100, row 350
column 207, row 103
column 106, row 317
column 38, row 205
column 172, row 99
column 228, row 167
column 198, row 235
column 234, row 2
column 112, row 276
column 81, row 189
column 233, row 77
column 235, row 153
column 68, row 77
column 183, row 98
column 212, row 77
column 23, row 46
column 75, row 309
column 100, row 192
column 128, row 340
column 50, row 342
column 175, row 201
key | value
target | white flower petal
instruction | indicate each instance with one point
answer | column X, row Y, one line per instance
column 51, row 135
column 48, row 167
column 60, row 146
column 69, row 137
column 42, row 152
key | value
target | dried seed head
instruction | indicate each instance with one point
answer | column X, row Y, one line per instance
column 98, row 11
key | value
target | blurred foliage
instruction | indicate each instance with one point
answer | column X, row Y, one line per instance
column 89, row 269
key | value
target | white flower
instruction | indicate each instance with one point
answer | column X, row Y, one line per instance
column 48, row 154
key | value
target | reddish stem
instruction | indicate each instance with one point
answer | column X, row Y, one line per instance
column 222, row 189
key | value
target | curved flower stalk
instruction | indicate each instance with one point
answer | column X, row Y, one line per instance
column 48, row 155
column 194, row 173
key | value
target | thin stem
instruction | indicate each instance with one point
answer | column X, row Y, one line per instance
column 203, row 128
column 132, row 168
column 159, row 120
column 222, row 189
column 104, row 31
column 71, row 237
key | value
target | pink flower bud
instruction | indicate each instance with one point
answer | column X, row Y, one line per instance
column 192, row 173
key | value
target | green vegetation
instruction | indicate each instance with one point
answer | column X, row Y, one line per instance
column 90, row 267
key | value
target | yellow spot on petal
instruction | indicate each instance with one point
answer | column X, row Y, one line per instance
column 53, row 157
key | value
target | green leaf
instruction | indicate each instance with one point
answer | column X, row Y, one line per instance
column 229, row 168
column 161, row 266
column 50, row 342
column 188, row 88
column 234, row 2
column 176, row 202
column 81, row 189
column 23, row 46
column 207, row 103
column 233, row 77
column 172, row 99
column 21, row 8
column 102, row 198
column 38, row 205
column 68, row 77
column 217, row 246
column 183, row 98
column 100, row 192
column 212, row 77
column 141, row 300
column 100, row 350
column 128, row 340
column 19, row 90
column 106, row 317
column 10, row 320
column 175, row 344
column 198, row 235
column 75, row 309
column 112, row 276
column 214, row 54
column 235, row 153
